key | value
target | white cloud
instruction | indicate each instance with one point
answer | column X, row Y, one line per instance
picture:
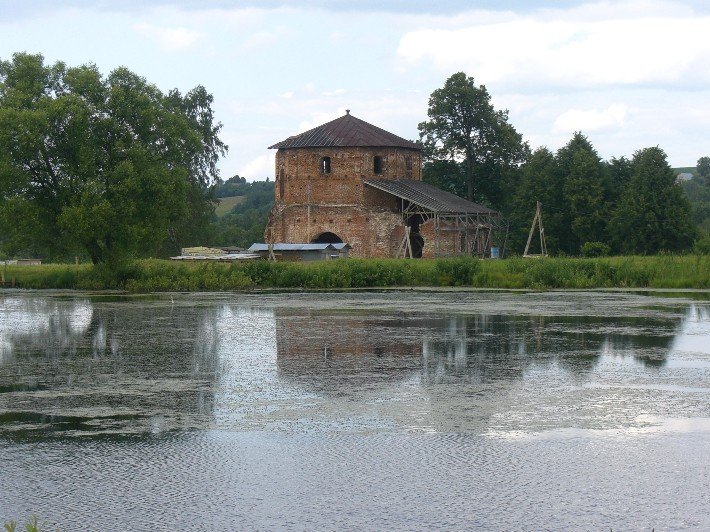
column 170, row 39
column 336, row 92
column 258, row 168
column 319, row 118
column 630, row 43
column 612, row 117
column 263, row 39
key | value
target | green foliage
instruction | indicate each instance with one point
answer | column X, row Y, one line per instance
column 445, row 174
column 595, row 249
column 104, row 167
column 652, row 214
column 538, row 182
column 703, row 168
column 632, row 206
column 246, row 222
column 464, row 128
column 697, row 190
column 154, row 275
column 584, row 197
column 702, row 245
column 457, row 271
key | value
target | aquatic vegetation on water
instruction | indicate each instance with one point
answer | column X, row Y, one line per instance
column 154, row 275
column 32, row 525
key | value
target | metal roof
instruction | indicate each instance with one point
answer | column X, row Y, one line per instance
column 346, row 131
column 429, row 197
column 297, row 247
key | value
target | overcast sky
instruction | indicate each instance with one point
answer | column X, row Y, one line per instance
column 628, row 74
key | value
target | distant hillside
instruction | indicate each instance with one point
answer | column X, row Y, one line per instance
column 242, row 212
column 225, row 205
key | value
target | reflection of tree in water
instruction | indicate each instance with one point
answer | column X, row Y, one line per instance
column 327, row 350
column 42, row 326
column 105, row 359
column 484, row 348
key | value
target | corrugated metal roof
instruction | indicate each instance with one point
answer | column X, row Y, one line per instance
column 346, row 131
column 297, row 247
column 429, row 197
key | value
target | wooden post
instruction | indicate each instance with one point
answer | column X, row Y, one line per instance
column 537, row 219
column 271, row 244
column 405, row 247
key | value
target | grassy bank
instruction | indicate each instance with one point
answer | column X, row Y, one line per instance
column 665, row 271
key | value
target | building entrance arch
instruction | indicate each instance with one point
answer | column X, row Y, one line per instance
column 327, row 238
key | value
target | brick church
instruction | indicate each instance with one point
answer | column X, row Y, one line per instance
column 350, row 181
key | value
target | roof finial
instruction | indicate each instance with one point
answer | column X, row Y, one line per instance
column 347, row 111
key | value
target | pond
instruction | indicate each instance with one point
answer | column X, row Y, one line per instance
column 368, row 410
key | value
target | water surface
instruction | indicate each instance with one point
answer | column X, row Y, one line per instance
column 400, row 409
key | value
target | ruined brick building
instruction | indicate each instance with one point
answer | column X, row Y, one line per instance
column 349, row 181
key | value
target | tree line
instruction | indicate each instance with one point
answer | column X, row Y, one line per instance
column 110, row 167
column 627, row 206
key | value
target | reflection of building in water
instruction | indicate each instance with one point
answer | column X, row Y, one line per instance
column 326, row 348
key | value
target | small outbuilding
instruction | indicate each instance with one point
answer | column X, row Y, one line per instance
column 303, row 252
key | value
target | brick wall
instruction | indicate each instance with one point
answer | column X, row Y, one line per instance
column 370, row 232
column 300, row 179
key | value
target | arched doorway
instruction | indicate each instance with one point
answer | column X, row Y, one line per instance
column 327, row 238
column 415, row 237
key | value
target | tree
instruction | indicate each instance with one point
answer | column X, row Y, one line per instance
column 703, row 168
column 579, row 174
column 584, row 198
column 617, row 175
column 652, row 214
column 536, row 183
column 464, row 128
column 108, row 166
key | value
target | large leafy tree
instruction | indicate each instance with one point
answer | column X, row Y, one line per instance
column 108, row 166
column 465, row 129
column 652, row 214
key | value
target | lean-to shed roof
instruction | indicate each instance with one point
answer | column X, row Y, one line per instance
column 429, row 197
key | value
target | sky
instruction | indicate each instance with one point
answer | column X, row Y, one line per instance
column 628, row 74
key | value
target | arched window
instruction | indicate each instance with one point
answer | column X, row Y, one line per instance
column 377, row 166
column 325, row 165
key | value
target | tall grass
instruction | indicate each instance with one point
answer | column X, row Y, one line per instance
column 661, row 271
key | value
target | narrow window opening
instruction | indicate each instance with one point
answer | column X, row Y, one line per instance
column 282, row 178
column 408, row 163
column 325, row 165
column 377, row 164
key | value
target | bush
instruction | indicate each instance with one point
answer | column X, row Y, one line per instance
column 702, row 245
column 595, row 249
